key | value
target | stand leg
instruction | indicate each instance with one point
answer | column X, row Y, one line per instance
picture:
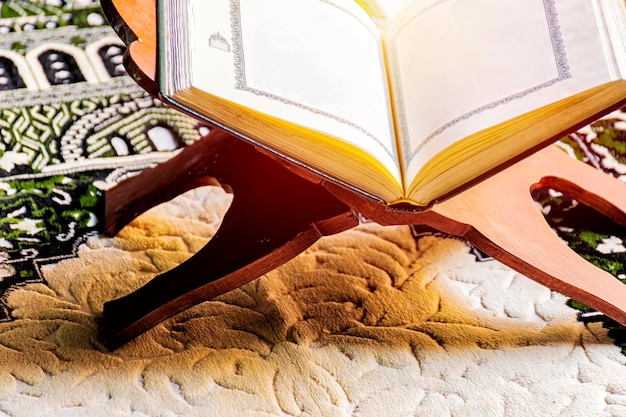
column 512, row 230
column 499, row 216
column 274, row 216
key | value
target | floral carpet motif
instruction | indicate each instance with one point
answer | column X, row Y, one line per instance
column 375, row 321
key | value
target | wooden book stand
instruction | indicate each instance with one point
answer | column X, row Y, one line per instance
column 279, row 209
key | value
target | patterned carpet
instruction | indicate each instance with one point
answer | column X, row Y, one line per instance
column 394, row 321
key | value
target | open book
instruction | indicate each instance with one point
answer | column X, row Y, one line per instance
column 401, row 100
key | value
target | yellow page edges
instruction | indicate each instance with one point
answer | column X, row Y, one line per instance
column 483, row 151
column 330, row 155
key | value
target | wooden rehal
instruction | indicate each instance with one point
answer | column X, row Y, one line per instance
column 279, row 210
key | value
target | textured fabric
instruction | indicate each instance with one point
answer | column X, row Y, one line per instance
column 365, row 323
column 376, row 321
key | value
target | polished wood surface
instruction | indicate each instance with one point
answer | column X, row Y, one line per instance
column 278, row 210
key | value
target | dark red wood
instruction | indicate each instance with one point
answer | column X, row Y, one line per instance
column 247, row 244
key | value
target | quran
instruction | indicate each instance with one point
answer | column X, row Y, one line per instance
column 404, row 101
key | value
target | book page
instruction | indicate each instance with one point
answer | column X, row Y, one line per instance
column 314, row 63
column 463, row 66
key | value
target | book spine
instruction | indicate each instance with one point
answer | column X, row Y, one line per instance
column 611, row 17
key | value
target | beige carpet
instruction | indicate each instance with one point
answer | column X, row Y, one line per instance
column 370, row 322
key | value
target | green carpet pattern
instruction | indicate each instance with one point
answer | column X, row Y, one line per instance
column 68, row 130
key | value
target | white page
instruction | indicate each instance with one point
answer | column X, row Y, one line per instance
column 316, row 63
column 467, row 65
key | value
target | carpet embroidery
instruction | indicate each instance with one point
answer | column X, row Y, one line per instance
column 70, row 121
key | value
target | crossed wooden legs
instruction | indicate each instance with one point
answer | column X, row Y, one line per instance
column 276, row 214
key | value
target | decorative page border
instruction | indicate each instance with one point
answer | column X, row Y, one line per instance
column 241, row 82
column 560, row 62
